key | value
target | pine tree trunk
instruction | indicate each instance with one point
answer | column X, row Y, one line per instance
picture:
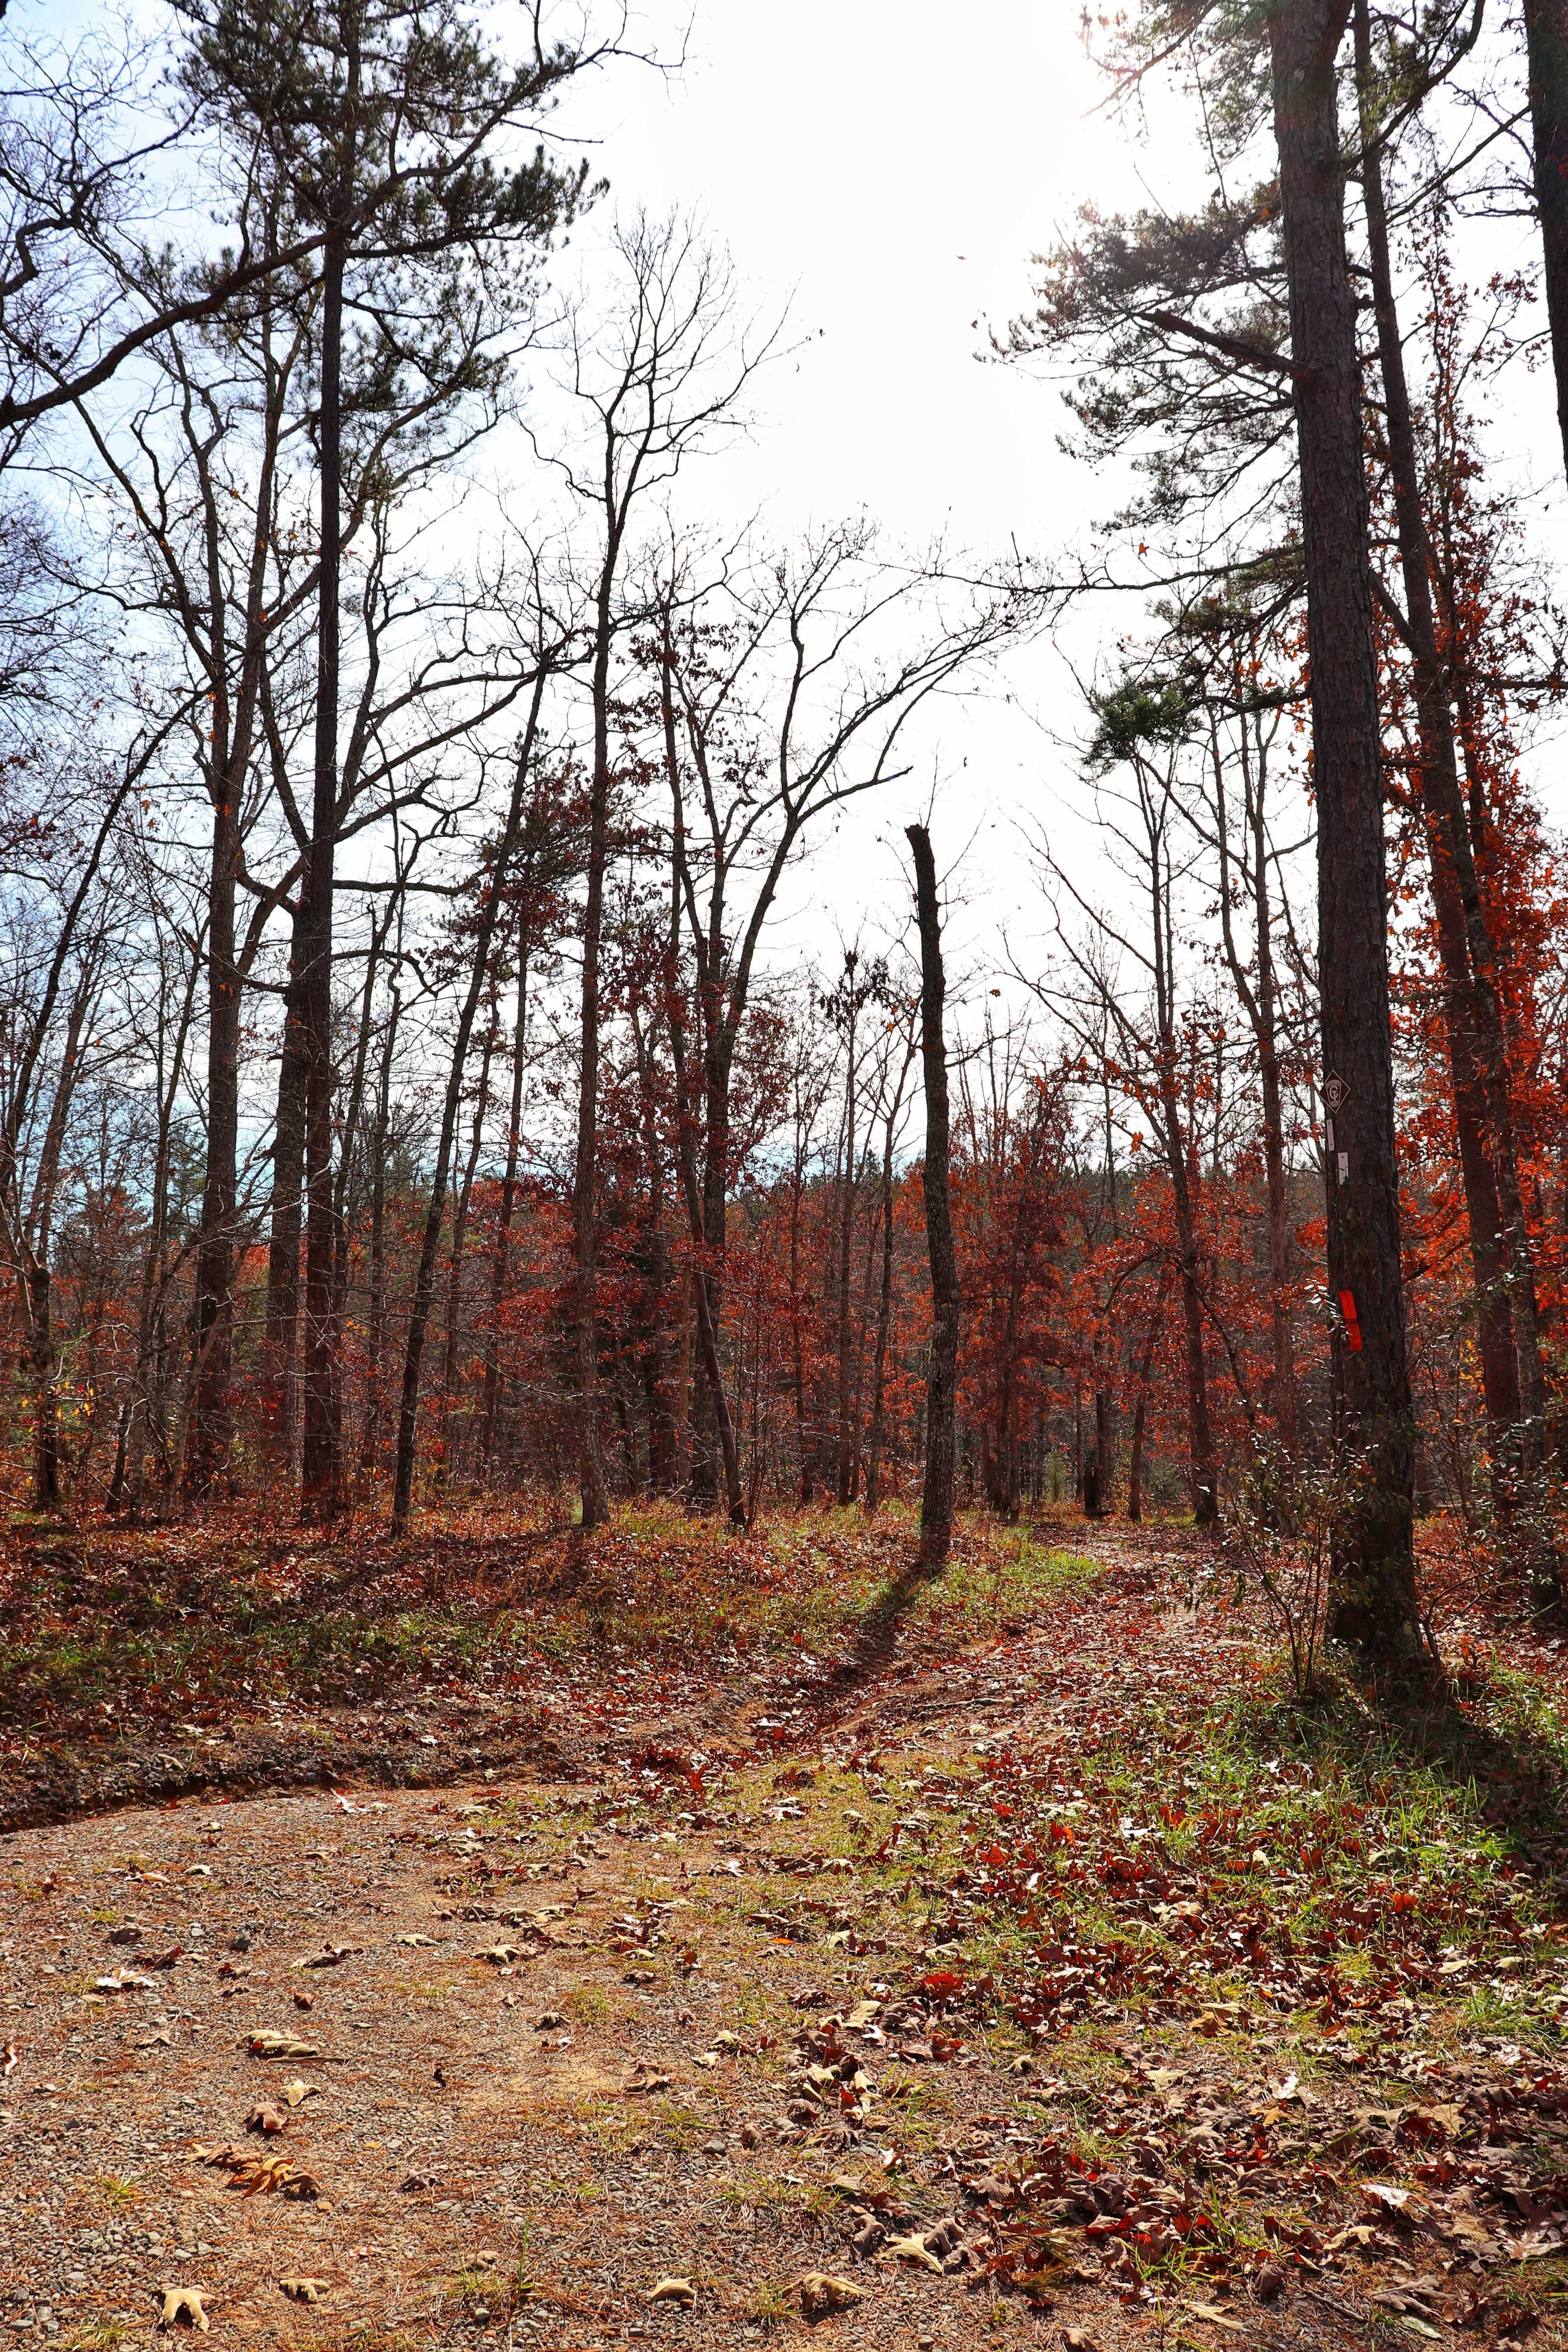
column 1375, row 1577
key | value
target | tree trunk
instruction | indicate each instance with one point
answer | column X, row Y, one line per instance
column 320, row 1481
column 455, row 1265
column 500, row 1261
column 585, row 1343
column 797, row 1342
column 846, row 1225
column 210, row 1335
column 1135, row 1462
column 375, row 1344
column 1376, row 1597
column 1104, row 1453
column 884, row 1321
column 282, row 1336
column 942, row 1385
column 1546, row 48
column 44, row 1364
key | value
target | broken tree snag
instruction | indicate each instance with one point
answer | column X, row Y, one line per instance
column 941, row 1382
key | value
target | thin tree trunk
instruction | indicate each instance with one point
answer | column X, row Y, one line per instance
column 455, row 1265
column 797, row 1341
column 375, row 1344
column 683, row 1381
column 585, row 1344
column 884, row 1322
column 212, row 1425
column 846, row 1217
column 320, row 1481
column 941, row 1386
column 500, row 1261
column 1376, row 1604
column 1140, row 1412
column 282, row 1330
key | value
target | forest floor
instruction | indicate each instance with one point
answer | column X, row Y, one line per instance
column 515, row 1940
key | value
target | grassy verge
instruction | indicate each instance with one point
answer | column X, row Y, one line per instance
column 194, row 1624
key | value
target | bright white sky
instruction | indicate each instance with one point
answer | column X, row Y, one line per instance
column 890, row 166
column 889, row 176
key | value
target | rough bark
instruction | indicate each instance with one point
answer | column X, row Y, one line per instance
column 1375, row 1581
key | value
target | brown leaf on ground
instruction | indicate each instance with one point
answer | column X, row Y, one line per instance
column 265, row 2117
column 296, row 2091
column 183, row 2304
column 822, row 2292
column 271, row 2044
column 305, row 2290
column 672, row 2290
column 644, row 2078
column 332, row 1956
column 912, row 2249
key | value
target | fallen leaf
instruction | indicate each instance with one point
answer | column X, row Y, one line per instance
column 672, row 2290
column 184, row 2302
column 1384, row 2197
column 13, row 2059
column 500, row 1956
column 265, row 2117
column 825, row 2291
column 296, row 2091
column 305, row 2290
column 422, row 1943
column 644, row 2078
column 1354, row 2233
column 124, row 1980
column 332, row 1956
column 1214, row 2317
column 912, row 2249
column 271, row 2044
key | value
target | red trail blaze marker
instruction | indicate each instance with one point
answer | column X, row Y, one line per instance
column 1353, row 1329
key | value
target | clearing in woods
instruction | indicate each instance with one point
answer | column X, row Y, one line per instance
column 681, row 1939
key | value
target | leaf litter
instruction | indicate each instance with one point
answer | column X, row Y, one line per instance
column 1087, row 1983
